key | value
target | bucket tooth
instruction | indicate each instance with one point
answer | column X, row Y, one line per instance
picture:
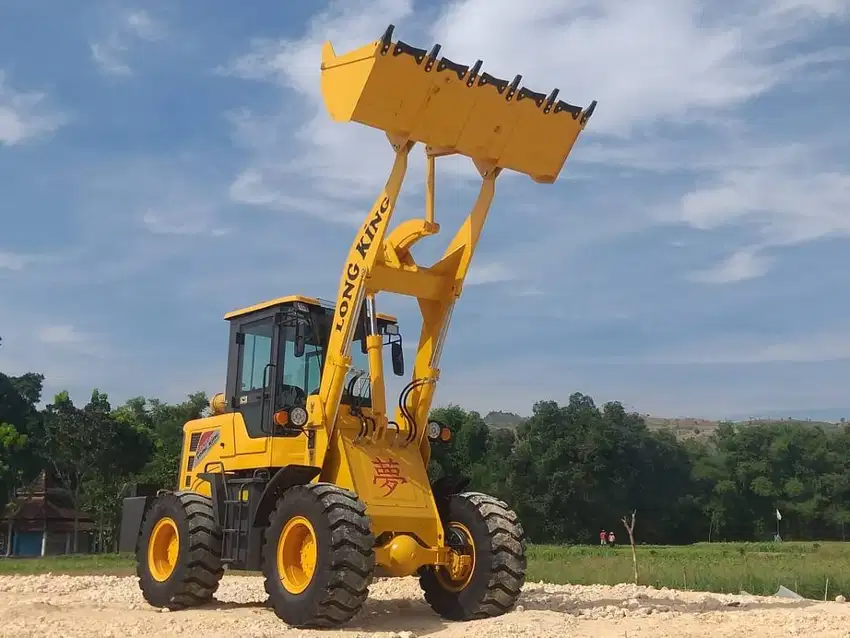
column 513, row 87
column 432, row 57
column 387, row 39
column 550, row 100
column 451, row 106
column 588, row 112
column 473, row 73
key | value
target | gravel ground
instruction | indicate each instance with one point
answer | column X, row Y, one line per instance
column 103, row 606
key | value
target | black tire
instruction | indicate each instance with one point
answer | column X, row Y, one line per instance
column 198, row 570
column 344, row 561
column 499, row 560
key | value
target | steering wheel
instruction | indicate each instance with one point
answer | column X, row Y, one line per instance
column 292, row 395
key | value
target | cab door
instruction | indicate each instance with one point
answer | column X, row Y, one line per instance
column 253, row 397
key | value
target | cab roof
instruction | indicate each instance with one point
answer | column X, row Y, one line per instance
column 311, row 301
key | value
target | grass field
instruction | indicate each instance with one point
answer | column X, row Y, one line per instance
column 758, row 568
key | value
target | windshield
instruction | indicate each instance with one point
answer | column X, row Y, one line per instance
column 300, row 377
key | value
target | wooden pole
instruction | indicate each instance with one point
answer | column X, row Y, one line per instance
column 630, row 528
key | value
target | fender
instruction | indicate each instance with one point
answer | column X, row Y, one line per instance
column 446, row 486
column 218, row 494
column 133, row 509
column 283, row 479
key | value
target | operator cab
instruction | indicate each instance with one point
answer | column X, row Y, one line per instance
column 276, row 355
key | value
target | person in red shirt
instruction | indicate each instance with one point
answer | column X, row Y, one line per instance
column 603, row 537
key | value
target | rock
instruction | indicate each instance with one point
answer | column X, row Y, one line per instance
column 520, row 608
column 840, row 599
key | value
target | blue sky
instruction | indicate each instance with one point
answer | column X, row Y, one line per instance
column 163, row 163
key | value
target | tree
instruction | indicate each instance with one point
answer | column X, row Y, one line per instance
column 567, row 469
column 130, row 449
column 163, row 424
column 12, row 445
column 19, row 418
column 89, row 450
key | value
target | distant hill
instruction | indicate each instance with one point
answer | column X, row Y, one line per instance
column 682, row 427
column 825, row 415
column 498, row 420
column 702, row 428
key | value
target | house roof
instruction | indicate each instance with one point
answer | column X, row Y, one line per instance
column 37, row 508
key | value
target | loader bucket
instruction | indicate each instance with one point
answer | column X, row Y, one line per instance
column 451, row 107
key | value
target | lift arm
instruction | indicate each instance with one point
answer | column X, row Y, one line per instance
column 361, row 260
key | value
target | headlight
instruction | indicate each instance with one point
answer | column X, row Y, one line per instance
column 298, row 417
column 434, row 429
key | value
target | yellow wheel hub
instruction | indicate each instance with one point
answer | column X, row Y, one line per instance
column 458, row 573
column 297, row 554
column 163, row 549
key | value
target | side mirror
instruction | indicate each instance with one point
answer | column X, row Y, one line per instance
column 299, row 339
column 398, row 358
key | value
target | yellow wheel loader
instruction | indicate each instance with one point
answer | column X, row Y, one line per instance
column 301, row 472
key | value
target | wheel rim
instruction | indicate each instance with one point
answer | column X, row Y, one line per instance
column 297, row 554
column 163, row 549
column 458, row 574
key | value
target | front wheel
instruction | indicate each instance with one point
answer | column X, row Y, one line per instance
column 318, row 556
column 488, row 566
column 178, row 559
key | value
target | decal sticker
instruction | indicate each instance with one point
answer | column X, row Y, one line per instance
column 205, row 443
column 389, row 473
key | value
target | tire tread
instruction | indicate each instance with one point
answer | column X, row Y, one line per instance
column 507, row 570
column 352, row 562
column 204, row 570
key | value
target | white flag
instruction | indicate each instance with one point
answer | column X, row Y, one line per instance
column 778, row 516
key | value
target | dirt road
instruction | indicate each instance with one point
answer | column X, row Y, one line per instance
column 103, row 606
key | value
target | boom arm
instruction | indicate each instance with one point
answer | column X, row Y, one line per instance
column 362, row 257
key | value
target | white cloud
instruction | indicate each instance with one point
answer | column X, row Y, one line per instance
column 489, row 273
column 175, row 196
column 13, row 261
column 778, row 194
column 792, row 193
column 646, row 62
column 107, row 55
column 336, row 167
column 182, row 222
column 143, row 26
column 24, row 116
column 132, row 26
column 60, row 334
column 740, row 266
column 817, row 347
column 63, row 339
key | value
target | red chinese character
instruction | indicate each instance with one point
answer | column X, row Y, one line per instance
column 390, row 473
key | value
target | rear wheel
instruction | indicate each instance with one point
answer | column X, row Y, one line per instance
column 488, row 560
column 178, row 558
column 318, row 556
